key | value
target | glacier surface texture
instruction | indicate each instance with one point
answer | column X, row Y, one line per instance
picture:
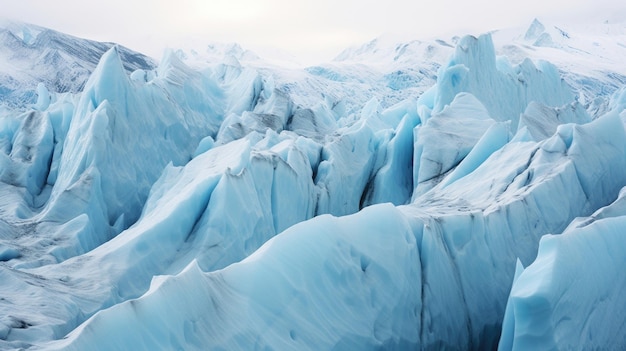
column 429, row 195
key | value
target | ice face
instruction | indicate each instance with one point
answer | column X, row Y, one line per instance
column 542, row 121
column 473, row 69
column 446, row 138
column 563, row 298
column 393, row 182
column 344, row 271
column 475, row 228
column 569, row 296
column 98, row 176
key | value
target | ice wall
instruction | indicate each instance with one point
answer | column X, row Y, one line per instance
column 120, row 138
column 342, row 283
column 504, row 90
column 571, row 295
column 473, row 230
column 461, row 242
column 473, row 91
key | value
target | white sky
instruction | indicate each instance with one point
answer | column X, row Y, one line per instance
column 311, row 30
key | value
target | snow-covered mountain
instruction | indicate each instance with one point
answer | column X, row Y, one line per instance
column 435, row 194
column 63, row 63
column 589, row 57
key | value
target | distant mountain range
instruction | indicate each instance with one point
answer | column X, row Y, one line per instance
column 589, row 59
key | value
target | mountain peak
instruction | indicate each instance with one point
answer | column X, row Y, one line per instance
column 108, row 78
column 535, row 29
column 27, row 33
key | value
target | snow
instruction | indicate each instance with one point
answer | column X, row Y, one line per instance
column 587, row 55
column 389, row 199
column 63, row 63
column 97, row 176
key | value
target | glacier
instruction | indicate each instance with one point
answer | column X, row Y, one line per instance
column 429, row 195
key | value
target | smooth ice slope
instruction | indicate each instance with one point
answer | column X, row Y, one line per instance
column 472, row 93
column 572, row 294
column 332, row 283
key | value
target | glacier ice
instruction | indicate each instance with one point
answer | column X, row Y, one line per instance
column 542, row 121
column 444, row 258
column 393, row 182
column 572, row 294
column 96, row 171
column 484, row 221
column 446, row 138
column 473, row 69
column 328, row 270
column 343, row 206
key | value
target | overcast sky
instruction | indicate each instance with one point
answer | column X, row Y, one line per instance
column 311, row 30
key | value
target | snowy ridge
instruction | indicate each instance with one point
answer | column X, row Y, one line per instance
column 63, row 63
column 243, row 205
